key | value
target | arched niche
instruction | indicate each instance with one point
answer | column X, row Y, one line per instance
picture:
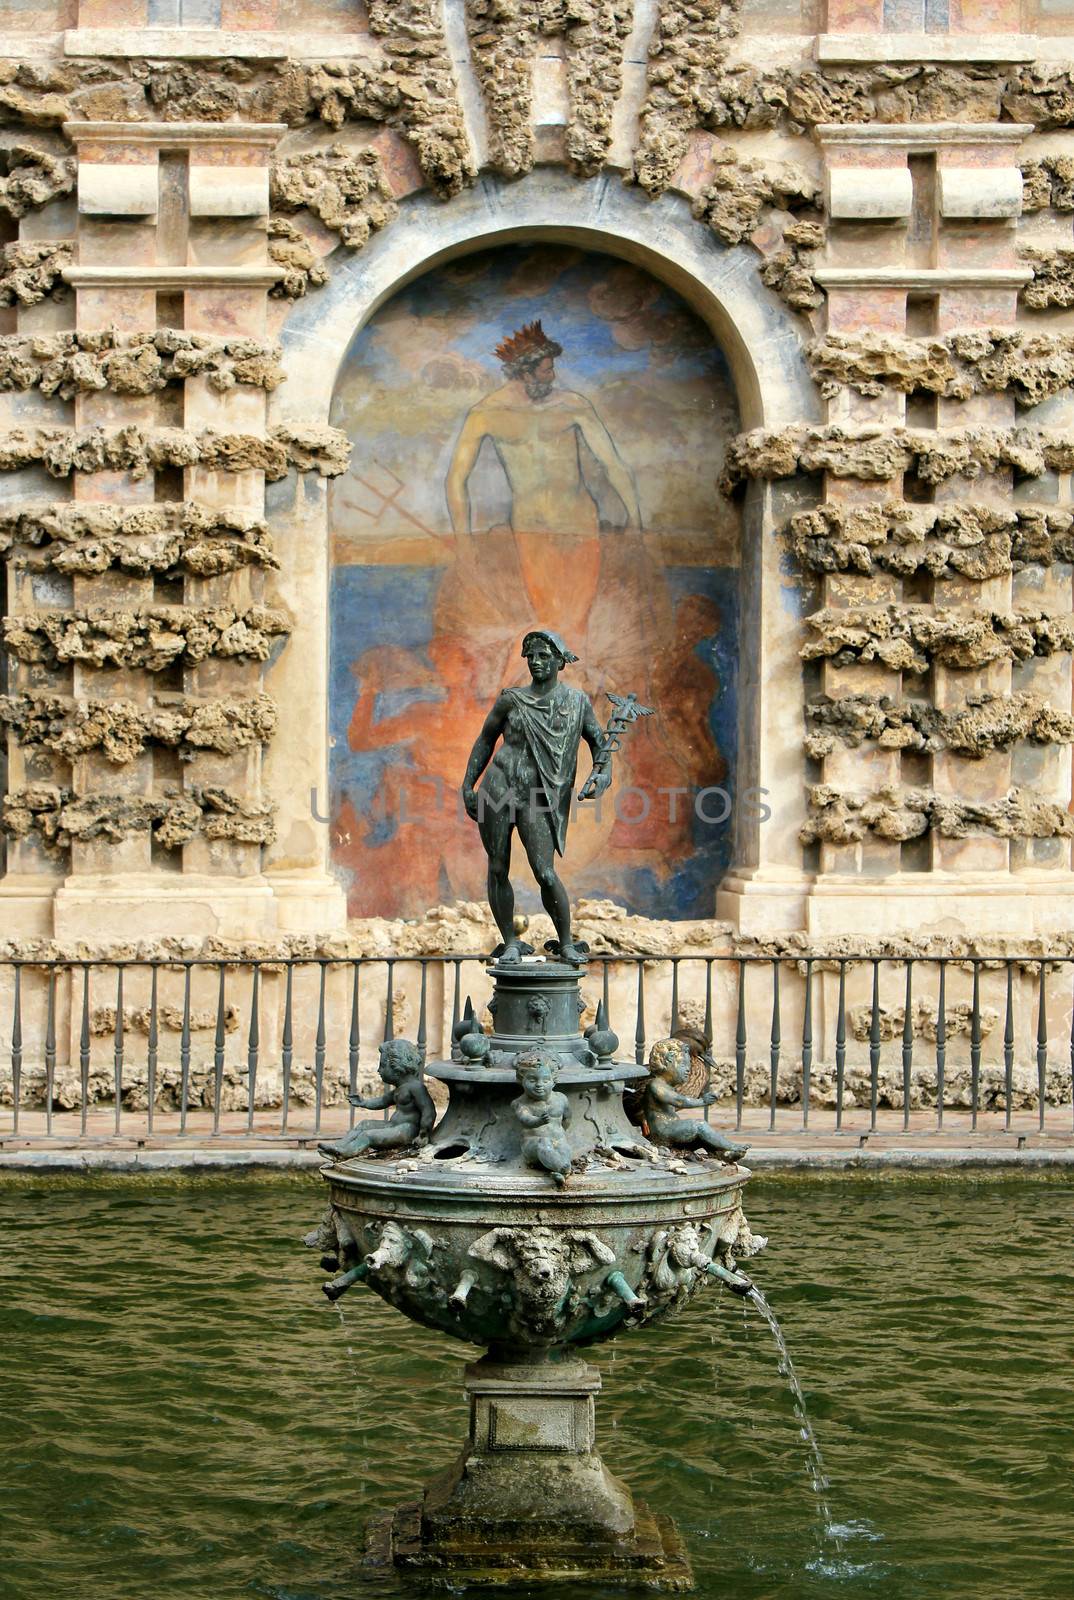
column 761, row 344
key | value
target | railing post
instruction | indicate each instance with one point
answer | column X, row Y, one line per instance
column 775, row 1043
column 151, row 1053
column 117, row 1047
column 50, row 1050
column 807, row 1043
column 354, row 1040
column 907, row 1043
column 840, row 1045
column 1008, row 1047
column 253, row 1046
column 319, row 1050
column 184, row 1050
column 84, row 1048
column 941, row 1042
column 422, row 1038
column 740, row 1045
column 874, row 1047
column 975, row 1045
column 1042, row 1048
column 219, row 1041
column 287, row 1041
column 16, row 1050
column 639, row 1021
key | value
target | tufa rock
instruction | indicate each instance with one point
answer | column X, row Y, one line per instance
column 139, row 451
column 986, row 722
column 121, row 729
column 153, row 638
column 689, row 45
column 175, row 817
column 895, row 815
column 1031, row 366
column 876, row 454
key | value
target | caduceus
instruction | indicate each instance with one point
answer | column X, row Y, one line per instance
column 626, row 710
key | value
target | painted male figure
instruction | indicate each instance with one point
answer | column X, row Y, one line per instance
column 535, row 426
column 529, row 782
column 546, row 438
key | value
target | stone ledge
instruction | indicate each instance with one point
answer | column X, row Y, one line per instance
column 1000, row 1155
column 933, row 278
column 881, row 48
column 191, row 44
column 177, row 135
column 922, row 135
column 180, row 277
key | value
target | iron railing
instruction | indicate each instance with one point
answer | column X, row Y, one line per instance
column 269, row 1049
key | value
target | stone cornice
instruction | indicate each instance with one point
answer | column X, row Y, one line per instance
column 921, row 135
column 156, row 277
column 177, row 135
column 215, row 44
column 923, row 278
column 849, row 48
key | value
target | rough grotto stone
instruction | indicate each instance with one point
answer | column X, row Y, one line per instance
column 504, row 38
column 986, row 722
column 950, row 539
column 908, row 638
column 122, row 730
column 73, row 363
column 875, row 454
column 165, row 538
column 31, row 271
column 896, row 814
column 345, row 189
column 139, row 451
column 152, row 638
column 1052, row 283
column 741, row 190
column 689, row 45
column 59, row 816
column 1030, row 366
column 32, row 172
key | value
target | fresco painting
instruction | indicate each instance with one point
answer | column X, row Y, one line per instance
column 538, row 435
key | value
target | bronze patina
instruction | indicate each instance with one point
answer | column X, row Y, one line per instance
column 539, row 1215
column 529, row 784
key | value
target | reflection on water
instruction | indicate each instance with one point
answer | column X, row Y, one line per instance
column 185, row 1416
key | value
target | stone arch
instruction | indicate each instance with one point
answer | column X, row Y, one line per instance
column 722, row 285
column 763, row 343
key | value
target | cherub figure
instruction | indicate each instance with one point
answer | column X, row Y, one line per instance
column 544, row 1114
column 400, row 1069
column 662, row 1099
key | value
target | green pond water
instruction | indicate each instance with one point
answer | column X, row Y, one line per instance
column 182, row 1413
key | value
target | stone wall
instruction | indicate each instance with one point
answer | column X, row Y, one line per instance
column 181, row 208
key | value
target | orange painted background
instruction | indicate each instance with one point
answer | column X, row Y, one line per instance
column 427, row 619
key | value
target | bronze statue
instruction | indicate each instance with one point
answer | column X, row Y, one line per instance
column 528, row 785
column 544, row 1114
column 662, row 1099
column 401, row 1071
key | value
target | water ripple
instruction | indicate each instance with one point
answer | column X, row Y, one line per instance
column 186, row 1417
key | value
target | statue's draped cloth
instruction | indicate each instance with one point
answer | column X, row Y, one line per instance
column 553, row 729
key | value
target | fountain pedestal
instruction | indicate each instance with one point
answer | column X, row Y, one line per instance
column 530, row 1494
column 469, row 1234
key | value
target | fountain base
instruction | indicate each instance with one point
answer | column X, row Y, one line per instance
column 529, row 1496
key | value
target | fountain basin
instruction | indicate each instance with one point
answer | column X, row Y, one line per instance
column 496, row 1256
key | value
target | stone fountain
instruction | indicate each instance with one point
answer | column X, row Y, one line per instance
column 560, row 1200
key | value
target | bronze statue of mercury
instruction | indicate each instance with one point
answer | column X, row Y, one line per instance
column 528, row 785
